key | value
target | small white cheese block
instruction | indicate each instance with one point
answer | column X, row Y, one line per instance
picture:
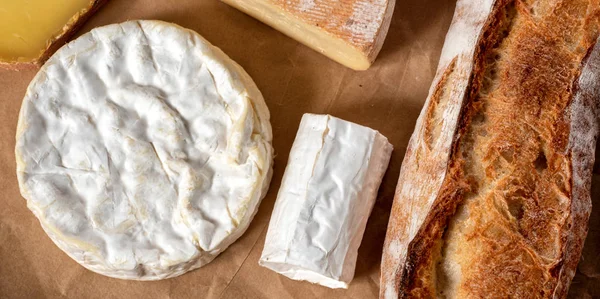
column 327, row 193
column 350, row 32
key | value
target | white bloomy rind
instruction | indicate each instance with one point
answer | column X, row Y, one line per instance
column 326, row 196
column 143, row 150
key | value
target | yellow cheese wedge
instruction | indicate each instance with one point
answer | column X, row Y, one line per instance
column 31, row 30
column 350, row 32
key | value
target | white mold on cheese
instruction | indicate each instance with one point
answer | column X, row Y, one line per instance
column 326, row 196
column 143, row 150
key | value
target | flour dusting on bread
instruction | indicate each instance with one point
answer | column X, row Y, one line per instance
column 506, row 196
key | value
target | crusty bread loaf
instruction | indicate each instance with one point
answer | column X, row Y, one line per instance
column 493, row 197
column 57, row 41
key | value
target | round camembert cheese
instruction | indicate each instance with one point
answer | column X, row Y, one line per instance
column 143, row 150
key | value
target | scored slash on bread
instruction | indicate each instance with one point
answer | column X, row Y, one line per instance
column 55, row 41
column 493, row 197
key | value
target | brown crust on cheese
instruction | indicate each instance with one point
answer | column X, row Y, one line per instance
column 374, row 49
column 69, row 30
column 509, row 216
column 336, row 17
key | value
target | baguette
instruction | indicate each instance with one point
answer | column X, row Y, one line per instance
column 493, row 197
column 56, row 41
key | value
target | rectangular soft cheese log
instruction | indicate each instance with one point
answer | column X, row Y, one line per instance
column 327, row 193
column 350, row 32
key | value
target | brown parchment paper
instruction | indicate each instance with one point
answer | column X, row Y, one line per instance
column 294, row 80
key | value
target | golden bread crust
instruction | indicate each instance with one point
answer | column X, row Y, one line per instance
column 510, row 215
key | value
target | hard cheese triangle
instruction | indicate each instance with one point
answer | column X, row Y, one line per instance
column 350, row 32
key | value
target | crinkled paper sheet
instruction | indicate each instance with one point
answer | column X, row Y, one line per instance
column 293, row 80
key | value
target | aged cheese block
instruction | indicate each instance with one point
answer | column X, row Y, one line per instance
column 30, row 31
column 350, row 32
column 328, row 190
column 143, row 150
